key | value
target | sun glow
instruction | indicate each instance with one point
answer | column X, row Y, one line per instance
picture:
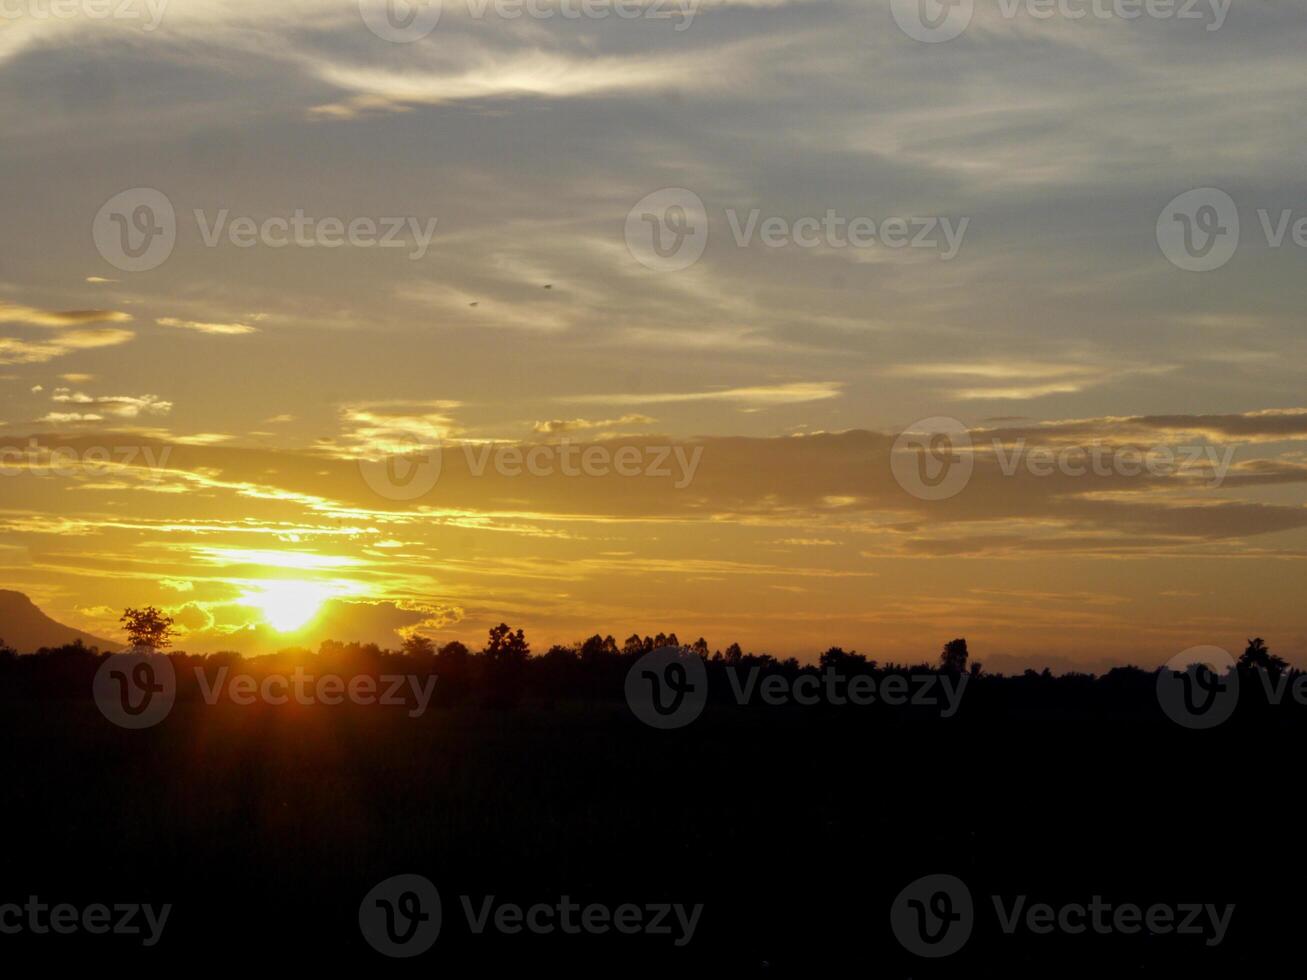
column 289, row 605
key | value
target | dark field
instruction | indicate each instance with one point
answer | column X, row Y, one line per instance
column 265, row 826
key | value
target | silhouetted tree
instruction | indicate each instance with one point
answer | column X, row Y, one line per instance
column 837, row 659
column 700, row 646
column 506, row 647
column 954, row 658
column 418, row 646
column 453, row 652
column 350, row 656
column 452, row 664
column 1259, row 655
column 597, row 646
column 148, row 627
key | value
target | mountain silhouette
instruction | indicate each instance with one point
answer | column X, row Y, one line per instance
column 25, row 628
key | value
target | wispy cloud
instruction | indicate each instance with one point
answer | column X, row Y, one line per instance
column 557, row 426
column 118, row 406
column 222, row 329
column 373, row 429
column 15, row 351
column 32, row 316
column 790, row 393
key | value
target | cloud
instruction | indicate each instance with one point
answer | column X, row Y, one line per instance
column 781, row 394
column 14, row 351
column 118, row 406
column 437, row 74
column 1267, row 425
column 556, row 426
column 1019, row 380
column 816, row 485
column 195, row 439
column 64, row 418
column 32, row 316
column 373, row 429
column 222, row 329
column 560, row 554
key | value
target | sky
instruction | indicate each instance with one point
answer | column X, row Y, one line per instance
column 310, row 315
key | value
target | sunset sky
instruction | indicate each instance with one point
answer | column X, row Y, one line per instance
column 244, row 396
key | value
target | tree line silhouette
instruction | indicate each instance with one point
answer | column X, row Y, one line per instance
column 504, row 672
